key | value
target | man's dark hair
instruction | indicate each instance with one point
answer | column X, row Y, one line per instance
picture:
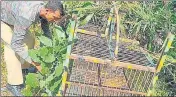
column 55, row 5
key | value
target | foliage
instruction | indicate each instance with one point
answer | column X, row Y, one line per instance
column 149, row 22
column 87, row 11
column 50, row 56
column 167, row 76
column 166, row 85
column 172, row 52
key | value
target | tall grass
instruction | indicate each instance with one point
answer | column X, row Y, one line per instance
column 149, row 22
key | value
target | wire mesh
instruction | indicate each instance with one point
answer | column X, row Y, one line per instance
column 89, row 45
column 87, row 90
column 93, row 79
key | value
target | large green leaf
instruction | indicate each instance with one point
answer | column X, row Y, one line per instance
column 59, row 32
column 34, row 55
column 31, row 80
column 55, row 85
column 86, row 20
column 49, row 58
column 59, row 70
column 43, row 51
column 46, row 41
column 86, row 4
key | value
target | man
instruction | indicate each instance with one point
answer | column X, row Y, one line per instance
column 16, row 17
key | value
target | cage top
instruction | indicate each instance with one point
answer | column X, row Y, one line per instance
column 90, row 45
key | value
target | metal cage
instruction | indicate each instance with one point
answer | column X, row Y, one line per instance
column 90, row 69
column 93, row 73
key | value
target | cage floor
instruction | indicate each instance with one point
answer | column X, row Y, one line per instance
column 89, row 45
column 92, row 79
column 88, row 90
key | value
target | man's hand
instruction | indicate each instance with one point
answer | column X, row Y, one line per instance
column 37, row 65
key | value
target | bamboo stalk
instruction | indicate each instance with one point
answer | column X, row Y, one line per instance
column 170, row 39
column 66, row 61
column 117, row 29
column 161, row 61
column 109, row 21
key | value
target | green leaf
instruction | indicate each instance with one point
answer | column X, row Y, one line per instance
column 86, row 4
column 55, row 85
column 138, row 28
column 27, row 91
column 58, row 73
column 46, row 41
column 33, row 55
column 86, row 20
column 31, row 80
column 58, row 49
column 49, row 58
column 43, row 51
column 59, row 70
column 45, row 70
column 144, row 28
column 49, row 78
column 59, row 32
column 70, row 29
column 40, row 76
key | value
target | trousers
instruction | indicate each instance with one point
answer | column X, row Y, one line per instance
column 14, row 63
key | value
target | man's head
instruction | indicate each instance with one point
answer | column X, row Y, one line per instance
column 53, row 11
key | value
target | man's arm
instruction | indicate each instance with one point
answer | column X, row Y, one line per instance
column 25, row 14
column 19, row 34
column 17, row 42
